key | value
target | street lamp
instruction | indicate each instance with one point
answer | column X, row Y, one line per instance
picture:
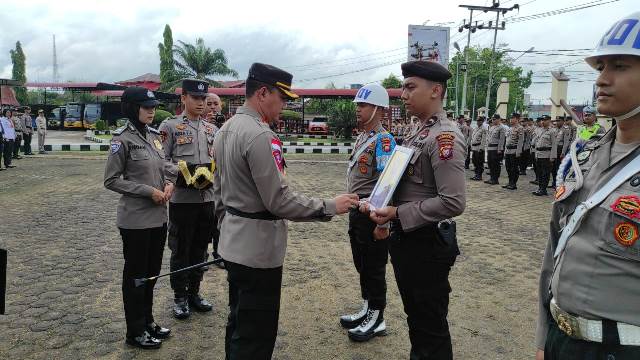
column 457, row 47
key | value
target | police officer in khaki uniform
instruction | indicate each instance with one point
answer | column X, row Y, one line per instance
column 513, row 150
column 588, row 290
column 136, row 168
column 369, row 244
column 253, row 201
column 525, row 158
column 534, row 138
column 188, row 142
column 495, row 149
column 478, row 144
column 545, row 154
column 18, row 123
column 463, row 124
column 41, row 124
column 28, row 130
column 431, row 190
column 563, row 141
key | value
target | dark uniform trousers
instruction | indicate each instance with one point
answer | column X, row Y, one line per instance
column 27, row 143
column 421, row 263
column 524, row 161
column 467, row 159
column 555, row 167
column 559, row 346
column 543, row 170
column 16, row 144
column 534, row 162
column 478, row 162
column 191, row 228
column 7, row 152
column 513, row 170
column 370, row 259
column 254, row 304
column 495, row 165
column 142, row 250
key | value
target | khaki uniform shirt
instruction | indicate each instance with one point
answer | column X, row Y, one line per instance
column 496, row 138
column 250, row 177
column 27, row 124
column 466, row 133
column 364, row 171
column 535, row 134
column 41, row 124
column 479, row 139
column 135, row 167
column 528, row 134
column 563, row 139
column 432, row 187
column 598, row 273
column 546, row 144
column 514, row 140
column 191, row 141
column 18, row 125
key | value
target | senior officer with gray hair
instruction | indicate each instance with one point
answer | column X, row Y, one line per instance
column 432, row 189
column 589, row 294
column 188, row 142
column 253, row 201
column 137, row 169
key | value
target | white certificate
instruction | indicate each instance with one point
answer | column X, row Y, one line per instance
column 390, row 177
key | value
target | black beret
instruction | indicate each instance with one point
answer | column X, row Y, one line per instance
column 274, row 76
column 140, row 96
column 546, row 117
column 428, row 70
column 195, row 87
column 480, row 118
column 496, row 116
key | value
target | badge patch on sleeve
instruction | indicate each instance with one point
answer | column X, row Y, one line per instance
column 445, row 145
column 115, row 146
column 560, row 191
column 386, row 144
column 157, row 144
column 626, row 233
column 163, row 135
column 628, row 206
column 276, row 151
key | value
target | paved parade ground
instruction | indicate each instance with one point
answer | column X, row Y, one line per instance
column 65, row 265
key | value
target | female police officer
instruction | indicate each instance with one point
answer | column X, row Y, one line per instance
column 136, row 168
column 591, row 268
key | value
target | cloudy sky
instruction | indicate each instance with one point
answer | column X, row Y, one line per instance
column 316, row 41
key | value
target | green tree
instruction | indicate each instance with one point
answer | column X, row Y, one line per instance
column 167, row 64
column 19, row 72
column 478, row 78
column 342, row 118
column 290, row 115
column 200, row 62
column 392, row 82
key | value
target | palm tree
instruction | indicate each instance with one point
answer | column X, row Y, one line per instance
column 200, row 62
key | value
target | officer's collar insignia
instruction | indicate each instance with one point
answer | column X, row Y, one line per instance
column 626, row 233
column 635, row 181
column 410, row 170
column 156, row 142
column 628, row 206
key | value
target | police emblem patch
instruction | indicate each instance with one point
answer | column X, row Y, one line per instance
column 163, row 135
column 628, row 206
column 115, row 146
column 201, row 86
column 386, row 144
column 363, row 159
column 635, row 181
column 363, row 169
column 445, row 145
column 157, row 144
column 626, row 233
column 150, row 94
column 181, row 126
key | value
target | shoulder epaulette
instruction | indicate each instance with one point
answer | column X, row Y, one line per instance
column 153, row 130
column 119, row 130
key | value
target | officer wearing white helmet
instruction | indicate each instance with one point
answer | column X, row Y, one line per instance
column 589, row 291
column 369, row 242
column 590, row 128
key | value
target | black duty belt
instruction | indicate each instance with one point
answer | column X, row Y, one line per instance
column 543, row 148
column 476, row 144
column 511, row 147
column 262, row 215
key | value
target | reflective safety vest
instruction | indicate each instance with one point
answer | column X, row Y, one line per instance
column 587, row 132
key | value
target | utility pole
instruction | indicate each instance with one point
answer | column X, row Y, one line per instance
column 498, row 10
column 55, row 61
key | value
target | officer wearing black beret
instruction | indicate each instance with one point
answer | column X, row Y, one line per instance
column 431, row 190
column 188, row 143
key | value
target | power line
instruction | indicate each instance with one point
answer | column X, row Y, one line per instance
column 560, row 11
column 398, row 61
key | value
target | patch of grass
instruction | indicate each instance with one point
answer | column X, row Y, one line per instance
column 315, row 141
column 105, row 137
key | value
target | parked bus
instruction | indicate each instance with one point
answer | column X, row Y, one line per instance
column 73, row 118
column 92, row 113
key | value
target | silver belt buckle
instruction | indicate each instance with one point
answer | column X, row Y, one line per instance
column 566, row 322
